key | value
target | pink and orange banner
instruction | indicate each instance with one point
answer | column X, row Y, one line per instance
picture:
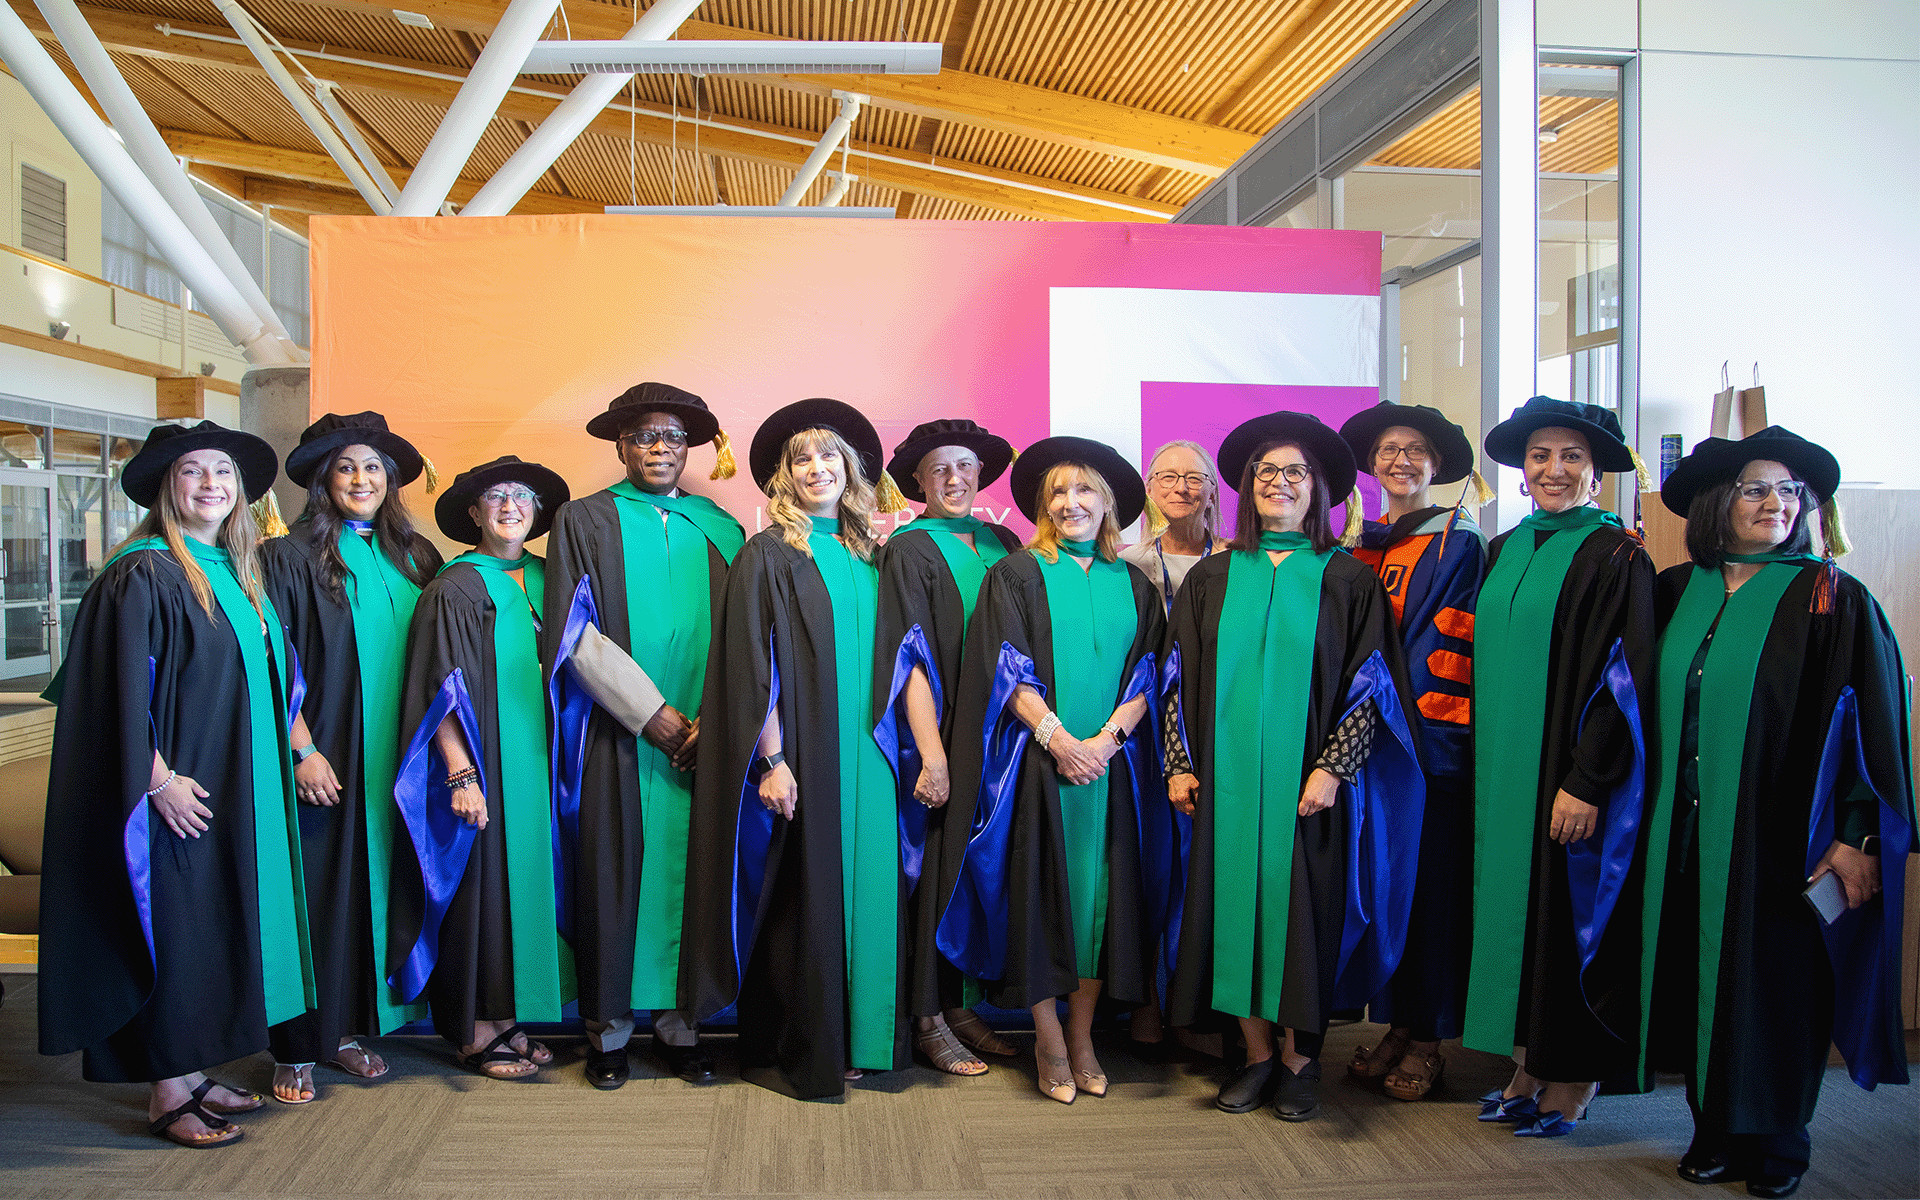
column 489, row 336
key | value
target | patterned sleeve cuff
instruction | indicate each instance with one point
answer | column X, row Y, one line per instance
column 1176, row 751
column 1349, row 744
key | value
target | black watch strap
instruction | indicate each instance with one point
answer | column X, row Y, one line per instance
column 768, row 762
column 1870, row 844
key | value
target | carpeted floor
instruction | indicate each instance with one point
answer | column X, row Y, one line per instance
column 431, row 1130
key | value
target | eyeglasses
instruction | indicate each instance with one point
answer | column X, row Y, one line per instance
column 641, row 439
column 501, row 497
column 1174, row 479
column 1416, row 454
column 1296, row 473
column 1756, row 490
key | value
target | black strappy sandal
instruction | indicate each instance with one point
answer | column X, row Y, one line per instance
column 221, row 1132
column 499, row 1050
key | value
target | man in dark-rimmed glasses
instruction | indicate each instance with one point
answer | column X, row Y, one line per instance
column 637, row 569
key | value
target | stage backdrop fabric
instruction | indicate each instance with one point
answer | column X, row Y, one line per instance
column 503, row 335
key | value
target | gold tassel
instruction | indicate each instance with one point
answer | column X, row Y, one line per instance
column 1356, row 519
column 433, row 475
column 1641, row 475
column 724, row 466
column 1831, row 531
column 266, row 514
column 1482, row 491
column 886, row 495
column 1156, row 520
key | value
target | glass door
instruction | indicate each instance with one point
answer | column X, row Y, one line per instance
column 26, row 569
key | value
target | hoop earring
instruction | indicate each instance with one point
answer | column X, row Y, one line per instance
column 1593, row 489
column 1524, row 489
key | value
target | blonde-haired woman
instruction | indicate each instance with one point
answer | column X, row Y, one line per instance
column 174, row 927
column 1062, row 887
column 794, row 892
column 1183, row 516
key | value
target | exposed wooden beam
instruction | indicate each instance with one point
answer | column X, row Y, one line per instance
column 753, row 141
column 305, row 197
column 952, row 95
column 309, row 167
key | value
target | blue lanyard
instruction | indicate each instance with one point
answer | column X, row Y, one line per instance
column 1166, row 577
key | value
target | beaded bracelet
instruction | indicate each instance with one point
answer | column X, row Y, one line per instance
column 1044, row 731
column 460, row 779
column 152, row 792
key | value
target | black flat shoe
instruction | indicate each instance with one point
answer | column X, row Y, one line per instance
column 691, row 1063
column 1249, row 1089
column 606, row 1069
column 1707, row 1168
column 1773, row 1186
column 1299, row 1091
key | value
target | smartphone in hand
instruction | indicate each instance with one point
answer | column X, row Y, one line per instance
column 1827, row 896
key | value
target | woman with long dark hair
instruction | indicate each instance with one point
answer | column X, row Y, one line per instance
column 172, row 927
column 1290, row 747
column 1782, row 759
column 1062, row 889
column 345, row 580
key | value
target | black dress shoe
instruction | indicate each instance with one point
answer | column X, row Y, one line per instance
column 1249, row 1089
column 606, row 1069
column 1707, row 1168
column 691, row 1063
column 1299, row 1091
column 1773, row 1186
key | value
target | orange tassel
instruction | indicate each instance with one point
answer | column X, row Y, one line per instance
column 1825, row 587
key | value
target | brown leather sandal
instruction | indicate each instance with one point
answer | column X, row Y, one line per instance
column 220, row 1131
column 1404, row 1084
column 1371, row 1062
column 976, row 1036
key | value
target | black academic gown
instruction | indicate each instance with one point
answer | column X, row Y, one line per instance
column 1013, row 616
column 1355, row 624
column 585, row 541
column 774, row 942
column 917, row 588
column 147, row 669
column 1775, row 1009
column 333, row 838
column 1574, row 1034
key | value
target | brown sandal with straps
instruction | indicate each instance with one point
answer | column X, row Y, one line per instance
column 1404, row 1084
column 945, row 1052
column 1371, row 1062
column 220, row 1131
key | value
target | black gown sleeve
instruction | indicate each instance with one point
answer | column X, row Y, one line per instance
column 1620, row 592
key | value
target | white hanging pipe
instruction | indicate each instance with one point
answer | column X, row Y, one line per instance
column 829, row 142
column 837, row 191
column 107, row 158
column 150, row 153
column 474, row 106
column 565, row 124
column 350, row 130
column 303, row 105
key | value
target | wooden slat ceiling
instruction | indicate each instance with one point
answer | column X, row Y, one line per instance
column 1052, row 109
column 1587, row 139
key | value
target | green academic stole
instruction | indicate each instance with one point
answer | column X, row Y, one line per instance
column 669, row 626
column 1512, row 635
column 1726, row 704
column 381, row 600
column 542, row 965
column 286, row 960
column 1094, row 625
column 968, row 564
column 869, row 821
column 1262, row 681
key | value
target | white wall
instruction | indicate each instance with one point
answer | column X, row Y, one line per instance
column 1779, row 165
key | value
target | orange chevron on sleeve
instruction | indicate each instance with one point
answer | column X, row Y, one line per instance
column 1454, row 623
column 1445, row 664
column 1438, row 706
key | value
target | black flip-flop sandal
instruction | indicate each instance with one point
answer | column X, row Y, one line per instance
column 163, row 1127
column 498, row 1051
column 533, row 1048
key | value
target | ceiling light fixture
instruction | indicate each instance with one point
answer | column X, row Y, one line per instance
column 733, row 58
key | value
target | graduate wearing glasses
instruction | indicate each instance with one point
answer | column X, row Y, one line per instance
column 645, row 563
column 473, row 926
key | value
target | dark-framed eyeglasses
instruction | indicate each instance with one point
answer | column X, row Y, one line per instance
column 1755, row 490
column 642, row 439
column 1296, row 473
column 1416, row 454
column 1176, row 479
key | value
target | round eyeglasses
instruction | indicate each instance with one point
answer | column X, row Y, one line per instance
column 1176, row 479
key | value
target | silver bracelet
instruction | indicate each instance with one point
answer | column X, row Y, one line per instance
column 1044, row 731
column 152, row 792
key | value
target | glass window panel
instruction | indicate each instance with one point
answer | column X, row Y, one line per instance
column 1580, row 311
column 1440, row 345
column 72, row 448
column 1423, row 214
column 1304, row 215
column 22, row 445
